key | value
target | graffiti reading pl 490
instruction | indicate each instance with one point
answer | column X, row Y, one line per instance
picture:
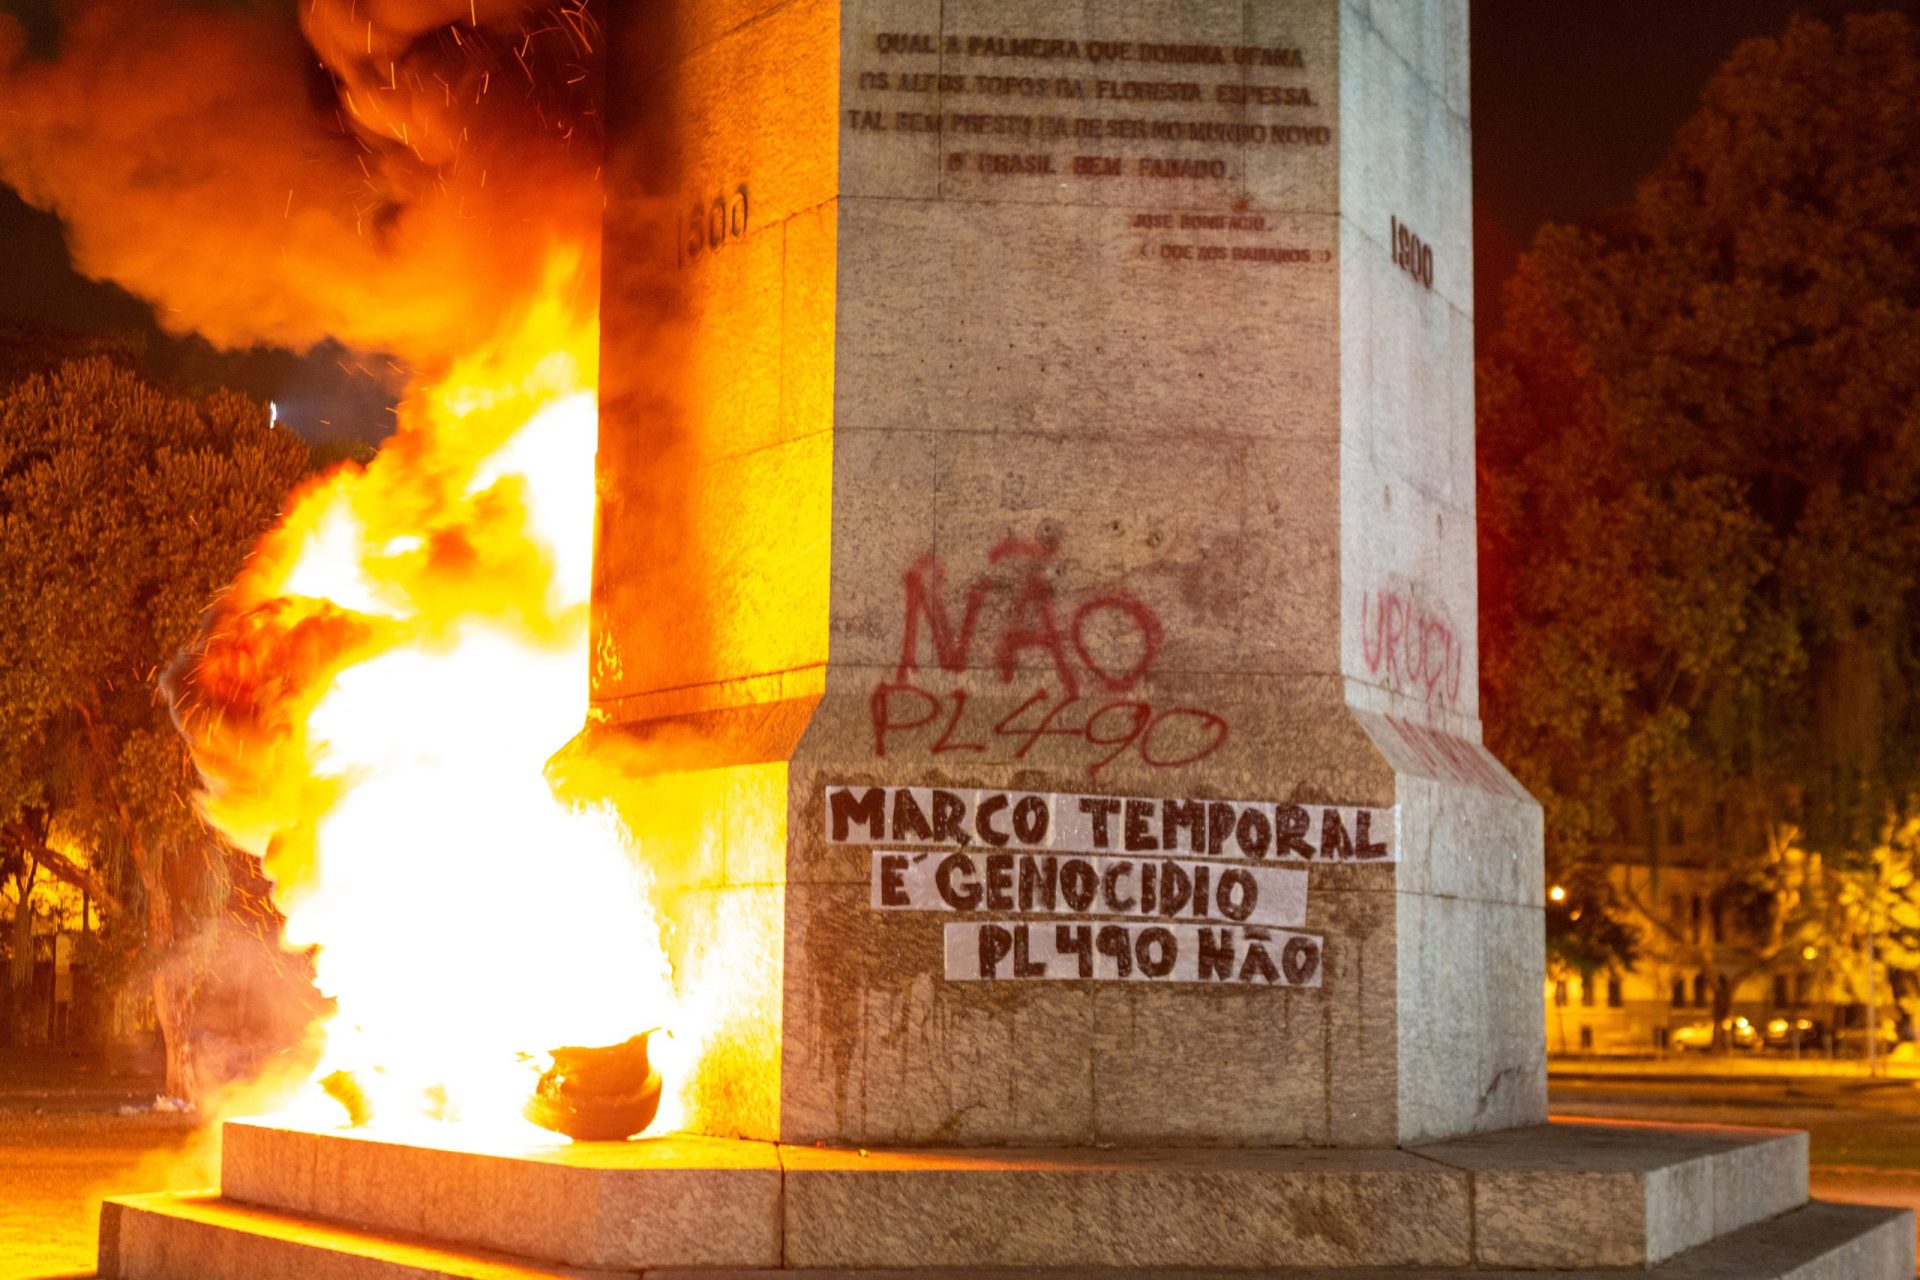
column 1095, row 650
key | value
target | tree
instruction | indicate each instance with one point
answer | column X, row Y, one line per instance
column 27, row 349
column 1855, row 916
column 123, row 510
column 1700, row 476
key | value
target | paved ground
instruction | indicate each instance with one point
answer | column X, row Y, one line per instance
column 65, row 1142
column 55, row 1167
column 1764, row 1066
column 1851, row 1124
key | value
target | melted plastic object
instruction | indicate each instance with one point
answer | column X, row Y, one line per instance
column 601, row 1094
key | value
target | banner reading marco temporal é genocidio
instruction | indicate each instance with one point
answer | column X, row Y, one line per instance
column 1195, row 882
column 964, row 818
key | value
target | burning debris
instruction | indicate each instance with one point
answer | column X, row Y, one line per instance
column 373, row 707
column 344, row 1089
column 598, row 1095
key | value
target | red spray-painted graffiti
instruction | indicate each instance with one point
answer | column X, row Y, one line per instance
column 1092, row 648
column 1410, row 647
column 1447, row 756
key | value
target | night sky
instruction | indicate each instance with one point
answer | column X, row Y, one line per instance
column 322, row 393
column 1573, row 101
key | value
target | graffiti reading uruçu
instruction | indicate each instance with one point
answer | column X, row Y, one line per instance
column 1410, row 647
column 1087, row 656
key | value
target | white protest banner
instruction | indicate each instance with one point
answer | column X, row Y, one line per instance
column 1062, row 823
column 1093, row 951
column 1045, row 883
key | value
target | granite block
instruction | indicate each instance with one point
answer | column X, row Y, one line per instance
column 205, row 1238
column 1817, row 1242
column 1415, row 170
column 1212, row 1209
column 681, row 1200
column 1626, row 1195
column 998, row 341
column 1762, row 1177
column 877, row 1047
column 1472, row 963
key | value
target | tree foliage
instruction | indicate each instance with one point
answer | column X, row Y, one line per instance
column 1855, row 916
column 123, row 511
column 1700, row 427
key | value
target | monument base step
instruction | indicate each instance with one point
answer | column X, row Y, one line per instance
column 1575, row 1199
column 1567, row 1196
column 203, row 1237
column 186, row 1237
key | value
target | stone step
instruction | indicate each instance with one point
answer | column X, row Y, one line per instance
column 1560, row 1195
column 203, row 1237
column 170, row 1237
column 1621, row 1194
column 620, row 1206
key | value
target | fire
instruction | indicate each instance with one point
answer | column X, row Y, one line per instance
column 373, row 711
column 376, row 699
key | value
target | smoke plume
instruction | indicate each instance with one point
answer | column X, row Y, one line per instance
column 389, row 173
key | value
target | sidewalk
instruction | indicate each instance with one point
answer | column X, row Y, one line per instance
column 1737, row 1066
column 54, row 1078
column 75, row 1127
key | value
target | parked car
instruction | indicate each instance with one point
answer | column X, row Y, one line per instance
column 1784, row 1035
column 1740, row 1034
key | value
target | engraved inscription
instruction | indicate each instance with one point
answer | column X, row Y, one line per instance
column 1133, row 125
column 1411, row 254
column 1123, row 97
column 709, row 225
column 1228, row 224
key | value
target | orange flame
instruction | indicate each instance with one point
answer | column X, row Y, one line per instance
column 376, row 698
column 373, row 711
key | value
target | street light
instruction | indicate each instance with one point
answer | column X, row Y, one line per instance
column 1557, row 893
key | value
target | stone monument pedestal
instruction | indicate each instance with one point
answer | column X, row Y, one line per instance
column 1037, row 532
column 1585, row 1200
column 1035, row 646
